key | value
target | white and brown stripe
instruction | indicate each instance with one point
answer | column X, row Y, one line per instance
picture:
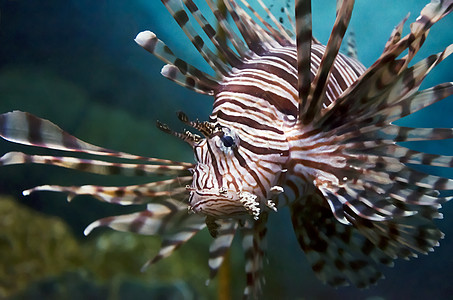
column 294, row 123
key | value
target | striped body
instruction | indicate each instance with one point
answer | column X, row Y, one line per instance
column 294, row 123
column 258, row 101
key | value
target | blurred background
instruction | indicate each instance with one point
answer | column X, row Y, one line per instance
column 75, row 63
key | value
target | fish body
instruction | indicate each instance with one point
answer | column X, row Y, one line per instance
column 294, row 124
column 258, row 105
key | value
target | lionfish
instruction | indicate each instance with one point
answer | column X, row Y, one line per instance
column 294, row 123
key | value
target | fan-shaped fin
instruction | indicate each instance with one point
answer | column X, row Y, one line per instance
column 402, row 237
column 338, row 255
column 221, row 47
column 176, row 9
column 256, row 37
column 235, row 40
column 351, row 46
column 221, row 244
column 253, row 243
column 303, row 43
column 204, row 82
column 386, row 153
column 95, row 166
column 385, row 71
column 281, row 36
column 395, row 36
column 191, row 82
column 405, row 84
column 341, row 254
column 150, row 221
column 415, row 102
column 125, row 195
column 319, row 83
column 393, row 133
column 171, row 242
column 291, row 21
column 167, row 218
column 27, row 129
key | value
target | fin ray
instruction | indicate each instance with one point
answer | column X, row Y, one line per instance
column 125, row 195
column 27, row 129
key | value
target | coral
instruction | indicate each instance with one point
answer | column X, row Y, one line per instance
column 39, row 257
column 32, row 246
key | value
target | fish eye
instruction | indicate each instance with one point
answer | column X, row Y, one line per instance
column 227, row 141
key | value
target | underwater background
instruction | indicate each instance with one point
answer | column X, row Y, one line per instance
column 75, row 63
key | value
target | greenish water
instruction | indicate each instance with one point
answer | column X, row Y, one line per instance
column 75, row 62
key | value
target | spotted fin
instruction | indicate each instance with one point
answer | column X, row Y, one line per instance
column 226, row 52
column 385, row 71
column 303, row 43
column 167, row 218
column 396, row 34
column 337, row 255
column 176, row 9
column 185, row 228
column 351, row 46
column 230, row 33
column 279, row 34
column 342, row 255
column 256, row 38
column 319, row 83
column 403, row 237
column 395, row 91
column 253, row 243
column 27, row 129
column 178, row 70
column 95, row 166
column 362, row 176
column 125, row 195
column 223, row 237
column 166, row 213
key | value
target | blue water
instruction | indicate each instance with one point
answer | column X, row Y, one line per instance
column 75, row 62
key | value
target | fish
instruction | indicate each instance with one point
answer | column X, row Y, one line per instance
column 295, row 124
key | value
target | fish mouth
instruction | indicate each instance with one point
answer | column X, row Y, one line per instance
column 222, row 203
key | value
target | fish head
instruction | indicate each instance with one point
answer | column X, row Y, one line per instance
column 226, row 181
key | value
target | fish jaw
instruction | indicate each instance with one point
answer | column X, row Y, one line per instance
column 221, row 203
